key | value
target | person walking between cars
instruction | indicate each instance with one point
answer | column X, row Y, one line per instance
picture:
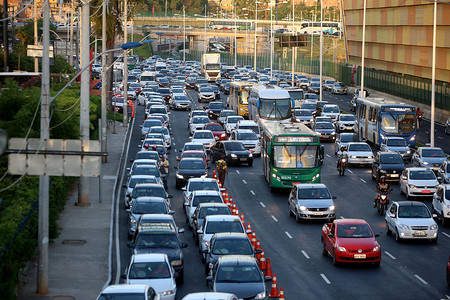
column 222, row 169
column 164, row 170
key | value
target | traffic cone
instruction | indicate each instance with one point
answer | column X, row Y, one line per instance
column 249, row 230
column 227, row 199
column 214, row 175
column 230, row 201
column 258, row 246
column 233, row 208
column 281, row 294
column 220, row 185
column 268, row 268
column 242, row 219
column 274, row 293
column 236, row 212
column 262, row 261
column 254, row 239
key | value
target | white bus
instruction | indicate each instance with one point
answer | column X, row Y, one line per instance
column 231, row 24
column 270, row 103
column 332, row 28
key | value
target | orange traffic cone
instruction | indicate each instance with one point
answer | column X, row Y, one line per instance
column 274, row 293
column 249, row 231
column 214, row 175
column 233, row 208
column 254, row 239
column 268, row 268
column 262, row 261
column 242, row 219
column 236, row 212
column 220, row 185
column 230, row 201
column 281, row 294
column 258, row 246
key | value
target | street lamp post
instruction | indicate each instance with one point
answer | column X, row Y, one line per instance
column 361, row 92
column 433, row 76
column 321, row 50
column 184, row 33
column 235, row 35
column 293, row 48
column 205, row 30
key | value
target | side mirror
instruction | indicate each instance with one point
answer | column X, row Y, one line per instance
column 403, row 177
column 180, row 230
column 130, row 244
column 201, row 231
column 208, row 159
column 171, row 212
column 124, row 186
column 330, row 235
column 175, row 168
column 184, row 245
column 183, row 188
column 170, row 196
column 193, row 217
column 178, row 159
column 258, row 251
column 392, row 215
column 186, row 203
column 333, row 197
column 377, row 234
column 141, row 126
column 128, row 169
column 267, row 278
column 435, row 216
column 128, row 210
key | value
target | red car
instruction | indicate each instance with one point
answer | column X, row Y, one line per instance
column 350, row 241
column 448, row 271
column 217, row 130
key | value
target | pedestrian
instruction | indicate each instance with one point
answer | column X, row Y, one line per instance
column 164, row 170
column 222, row 169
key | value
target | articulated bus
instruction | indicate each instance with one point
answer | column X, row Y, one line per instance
column 271, row 103
column 378, row 118
column 238, row 99
column 290, row 153
column 231, row 24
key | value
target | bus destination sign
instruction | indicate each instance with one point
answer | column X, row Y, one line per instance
column 295, row 139
column 401, row 109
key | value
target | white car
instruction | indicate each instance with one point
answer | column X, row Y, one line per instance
column 345, row 122
column 206, row 137
column 359, row 153
column 210, row 296
column 198, row 197
column 119, row 291
column 331, row 110
column 304, row 83
column 230, row 123
column 199, row 184
column 248, row 138
column 418, row 182
column 441, row 203
column 97, row 68
column 411, row 220
column 163, row 130
column 155, row 270
column 197, row 123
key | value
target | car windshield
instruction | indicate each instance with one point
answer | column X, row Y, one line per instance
column 147, row 155
column 303, row 113
column 413, row 212
column 206, row 199
column 232, row 246
column 123, row 296
column 346, row 138
column 329, row 82
column 157, row 240
column 158, row 110
column 203, row 135
column 154, row 191
column 162, row 130
column 164, row 91
column 117, row 100
column 275, row 109
column 315, row 84
column 214, row 127
column 146, row 170
column 393, row 158
column 309, row 106
column 206, row 90
column 246, row 136
column 339, row 84
column 151, row 123
column 295, row 156
column 149, row 270
column 215, row 105
column 421, row 175
column 224, row 226
column 134, row 181
column 398, row 123
column 359, row 147
column 200, row 120
column 225, row 114
column 234, row 146
column 193, row 147
column 331, row 109
column 397, row 143
column 432, row 153
column 194, row 155
column 203, row 186
column 210, row 211
column 313, row 193
column 354, row 231
column 238, row 273
column 199, row 113
column 145, row 207
column 296, row 94
column 347, row 118
column 324, row 125
column 234, row 120
column 196, row 164
column 181, row 98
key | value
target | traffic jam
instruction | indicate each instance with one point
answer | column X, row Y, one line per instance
column 215, row 152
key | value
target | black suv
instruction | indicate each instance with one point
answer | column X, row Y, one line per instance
column 388, row 164
column 214, row 109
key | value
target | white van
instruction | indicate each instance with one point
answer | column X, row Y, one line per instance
column 147, row 77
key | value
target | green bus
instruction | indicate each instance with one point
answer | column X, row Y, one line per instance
column 290, row 153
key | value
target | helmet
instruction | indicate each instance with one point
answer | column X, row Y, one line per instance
column 146, row 146
column 342, row 147
column 154, row 147
column 382, row 178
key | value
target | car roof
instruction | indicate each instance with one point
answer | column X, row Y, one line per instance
column 389, row 153
column 148, row 185
column 206, row 193
column 231, row 235
column 156, row 216
column 212, row 204
column 202, row 180
column 417, row 169
column 202, row 130
column 209, row 296
column 126, row 288
column 420, row 148
column 350, row 221
column 358, row 143
column 247, row 122
column 410, row 203
column 156, row 227
column 310, row 185
column 149, row 257
column 193, row 158
column 216, row 218
column 232, row 259
column 150, row 199
column 193, row 143
column 142, row 176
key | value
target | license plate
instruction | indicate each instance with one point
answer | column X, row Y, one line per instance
column 394, row 175
column 419, row 233
column 318, row 213
column 243, row 159
column 360, row 256
column 426, row 191
column 294, row 183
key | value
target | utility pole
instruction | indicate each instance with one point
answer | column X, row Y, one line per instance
column 103, row 108
column 184, row 33
column 125, row 68
column 43, row 239
column 83, row 187
column 36, row 60
column 71, row 35
column 5, row 35
column 321, row 51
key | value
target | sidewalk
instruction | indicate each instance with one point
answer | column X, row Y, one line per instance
column 78, row 258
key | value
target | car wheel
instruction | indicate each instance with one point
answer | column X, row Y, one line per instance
column 291, row 214
column 407, row 194
column 250, row 163
column 397, row 236
column 443, row 220
column 388, row 231
column 324, row 250
column 335, row 262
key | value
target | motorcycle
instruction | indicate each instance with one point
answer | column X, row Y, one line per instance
column 382, row 202
column 342, row 166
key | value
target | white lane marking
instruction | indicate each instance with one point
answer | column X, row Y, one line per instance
column 109, row 177
column 325, row 278
column 237, row 171
column 275, row 219
column 328, row 155
column 173, row 143
column 440, row 137
column 420, row 279
column 245, row 182
column 288, row 234
column 446, row 234
column 252, row 192
column 175, row 150
column 350, row 171
column 363, row 180
column 390, row 255
column 342, row 217
column 262, row 204
column 305, row 254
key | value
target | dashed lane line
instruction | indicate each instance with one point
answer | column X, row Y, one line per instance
column 288, row 234
column 390, row 255
column 350, row 171
column 325, row 278
column 252, row 192
column 237, row 171
column 262, row 204
column 363, row 180
column 275, row 219
column 328, row 155
column 420, row 279
column 446, row 234
column 342, row 217
column 245, row 182
column 305, row 254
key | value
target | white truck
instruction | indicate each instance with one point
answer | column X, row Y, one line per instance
column 211, row 66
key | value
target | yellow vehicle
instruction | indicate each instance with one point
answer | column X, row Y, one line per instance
column 238, row 99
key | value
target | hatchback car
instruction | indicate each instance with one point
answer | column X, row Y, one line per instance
column 359, row 153
column 197, row 123
column 339, row 88
column 311, row 201
column 190, row 168
column 204, row 137
column 387, row 164
column 441, row 203
column 240, row 275
column 325, row 130
column 147, row 190
column 196, row 198
column 234, row 152
column 396, row 144
column 418, row 182
column 230, row 123
column 411, row 220
column 342, row 140
column 345, row 122
column 217, row 130
column 429, row 157
column 126, row 291
column 331, row 110
column 206, row 209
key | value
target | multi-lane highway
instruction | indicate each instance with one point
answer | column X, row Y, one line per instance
column 409, row 270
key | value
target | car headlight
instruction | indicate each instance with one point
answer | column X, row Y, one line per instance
column 353, row 156
column 179, row 176
column 370, row 157
column 411, row 186
column 433, row 227
column 383, row 171
column 376, row 248
column 261, row 295
column 412, row 138
column 408, row 151
column 332, row 207
column 302, row 208
column 250, row 155
column 341, row 249
column 333, row 133
column 223, row 135
column 233, row 155
column 425, row 163
column 403, row 226
column 178, row 262
column 170, row 292
column 132, row 221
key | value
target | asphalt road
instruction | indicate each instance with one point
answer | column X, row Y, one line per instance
column 410, row 270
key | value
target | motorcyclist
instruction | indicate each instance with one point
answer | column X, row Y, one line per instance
column 342, row 153
column 382, row 187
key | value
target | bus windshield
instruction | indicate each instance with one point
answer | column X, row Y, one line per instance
column 244, row 97
column 275, row 109
column 398, row 123
column 295, row 156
